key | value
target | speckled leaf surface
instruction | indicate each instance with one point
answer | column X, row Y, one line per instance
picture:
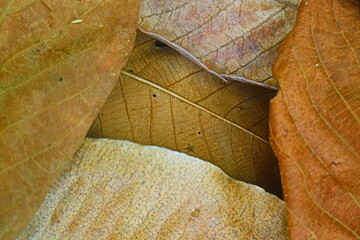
column 233, row 37
column 164, row 99
column 59, row 60
column 315, row 121
column 116, row 189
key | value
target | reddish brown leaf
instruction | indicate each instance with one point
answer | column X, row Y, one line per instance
column 58, row 62
column 315, row 121
column 233, row 37
column 164, row 99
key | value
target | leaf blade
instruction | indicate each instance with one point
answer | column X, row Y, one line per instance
column 118, row 189
column 317, row 139
column 165, row 100
column 238, row 38
column 49, row 94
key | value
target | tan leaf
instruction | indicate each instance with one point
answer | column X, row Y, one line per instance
column 58, row 62
column 315, row 121
column 237, row 37
column 164, row 99
column 120, row 190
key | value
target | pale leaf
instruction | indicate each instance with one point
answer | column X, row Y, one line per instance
column 120, row 190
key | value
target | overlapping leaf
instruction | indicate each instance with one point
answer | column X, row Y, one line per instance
column 120, row 190
column 315, row 121
column 164, row 99
column 237, row 37
column 58, row 62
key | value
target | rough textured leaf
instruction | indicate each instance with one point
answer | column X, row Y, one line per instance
column 164, row 99
column 237, row 37
column 120, row 190
column 315, row 124
column 59, row 60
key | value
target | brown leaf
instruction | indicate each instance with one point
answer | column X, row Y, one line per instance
column 164, row 99
column 58, row 63
column 120, row 190
column 239, row 37
column 315, row 121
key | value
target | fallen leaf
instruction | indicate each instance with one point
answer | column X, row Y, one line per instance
column 238, row 37
column 59, row 60
column 163, row 99
column 116, row 189
column 315, row 124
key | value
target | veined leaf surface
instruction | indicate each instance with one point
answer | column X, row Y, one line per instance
column 59, row 61
column 315, row 121
column 232, row 37
column 164, row 99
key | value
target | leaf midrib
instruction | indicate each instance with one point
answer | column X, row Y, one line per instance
column 192, row 104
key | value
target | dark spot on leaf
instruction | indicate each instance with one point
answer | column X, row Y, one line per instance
column 199, row 133
column 130, row 71
column 334, row 164
column 154, row 95
column 190, row 148
column 159, row 44
column 195, row 213
column 61, row 79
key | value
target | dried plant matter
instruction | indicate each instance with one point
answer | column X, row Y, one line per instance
column 59, row 60
column 315, row 121
column 240, row 37
column 164, row 99
column 116, row 189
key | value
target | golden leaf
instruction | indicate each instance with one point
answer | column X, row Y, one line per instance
column 164, row 99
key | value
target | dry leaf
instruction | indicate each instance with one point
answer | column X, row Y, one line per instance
column 58, row 63
column 120, row 190
column 240, row 37
column 164, row 99
column 315, row 121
